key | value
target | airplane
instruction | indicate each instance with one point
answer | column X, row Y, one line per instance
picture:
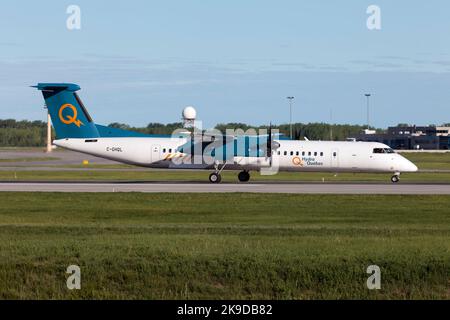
column 75, row 130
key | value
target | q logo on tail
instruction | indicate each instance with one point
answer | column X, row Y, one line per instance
column 68, row 119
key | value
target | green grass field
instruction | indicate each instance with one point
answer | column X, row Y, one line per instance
column 425, row 160
column 28, row 159
column 224, row 246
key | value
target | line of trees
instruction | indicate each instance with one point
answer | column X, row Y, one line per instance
column 25, row 133
column 312, row 131
column 151, row 128
column 22, row 133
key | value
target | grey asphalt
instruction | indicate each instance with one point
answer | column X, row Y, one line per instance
column 65, row 157
column 152, row 187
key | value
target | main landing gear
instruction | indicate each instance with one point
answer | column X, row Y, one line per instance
column 244, row 176
column 215, row 177
column 395, row 178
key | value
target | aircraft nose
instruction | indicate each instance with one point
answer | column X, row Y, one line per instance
column 409, row 166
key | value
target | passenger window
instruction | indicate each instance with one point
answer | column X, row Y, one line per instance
column 279, row 152
column 334, row 154
column 296, row 153
column 309, row 153
column 303, row 153
column 321, row 154
column 170, row 150
column 315, row 154
column 285, row 153
column 292, row 153
column 164, row 150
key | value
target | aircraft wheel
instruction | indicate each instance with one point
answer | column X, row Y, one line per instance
column 395, row 179
column 244, row 176
column 215, row 177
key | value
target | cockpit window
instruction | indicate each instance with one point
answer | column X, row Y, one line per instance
column 383, row 150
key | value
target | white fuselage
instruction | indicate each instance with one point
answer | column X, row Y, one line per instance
column 325, row 156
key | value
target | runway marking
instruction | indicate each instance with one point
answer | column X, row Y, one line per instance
column 417, row 189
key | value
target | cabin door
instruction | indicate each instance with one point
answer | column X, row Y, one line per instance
column 156, row 153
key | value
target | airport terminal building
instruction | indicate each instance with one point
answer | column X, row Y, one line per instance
column 410, row 137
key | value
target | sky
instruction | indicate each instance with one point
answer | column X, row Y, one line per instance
column 234, row 61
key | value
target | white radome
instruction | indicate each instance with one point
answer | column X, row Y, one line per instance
column 189, row 113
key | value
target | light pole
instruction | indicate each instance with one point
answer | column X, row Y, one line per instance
column 368, row 97
column 290, row 115
column 331, row 124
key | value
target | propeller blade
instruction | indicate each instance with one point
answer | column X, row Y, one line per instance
column 269, row 141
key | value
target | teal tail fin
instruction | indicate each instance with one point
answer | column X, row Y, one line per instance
column 69, row 116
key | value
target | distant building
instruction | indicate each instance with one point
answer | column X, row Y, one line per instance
column 410, row 137
column 368, row 131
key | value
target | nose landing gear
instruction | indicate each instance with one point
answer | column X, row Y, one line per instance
column 395, row 178
column 244, row 176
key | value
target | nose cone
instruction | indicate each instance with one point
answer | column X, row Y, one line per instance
column 408, row 166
